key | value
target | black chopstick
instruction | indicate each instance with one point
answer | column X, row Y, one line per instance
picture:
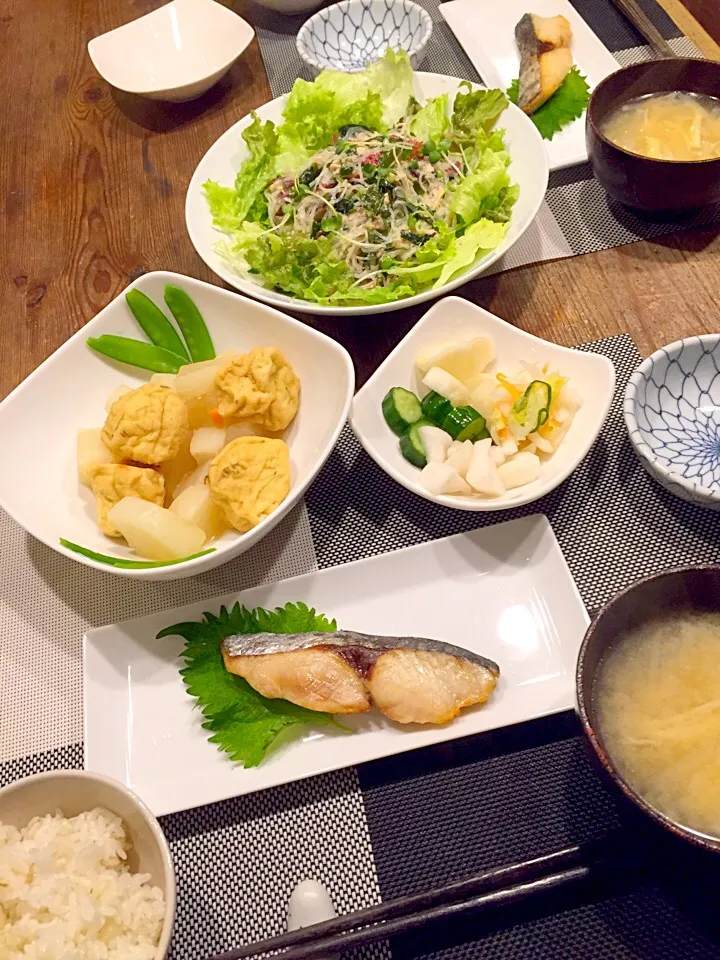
column 501, row 886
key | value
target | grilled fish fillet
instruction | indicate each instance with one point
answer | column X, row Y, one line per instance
column 409, row 679
column 316, row 678
column 545, row 58
column 418, row 686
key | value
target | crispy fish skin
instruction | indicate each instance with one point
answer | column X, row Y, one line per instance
column 409, row 679
column 545, row 58
column 419, row 686
column 315, row 678
column 255, row 644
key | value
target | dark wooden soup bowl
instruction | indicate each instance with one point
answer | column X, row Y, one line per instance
column 692, row 589
column 656, row 186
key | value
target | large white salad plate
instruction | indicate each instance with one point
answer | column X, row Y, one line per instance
column 486, row 32
column 528, row 168
column 454, row 318
column 40, row 420
column 503, row 591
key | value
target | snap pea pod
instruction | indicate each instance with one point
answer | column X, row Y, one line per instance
column 137, row 353
column 129, row 564
column 193, row 327
column 154, row 323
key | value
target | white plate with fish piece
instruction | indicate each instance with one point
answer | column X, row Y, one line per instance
column 487, row 34
column 504, row 592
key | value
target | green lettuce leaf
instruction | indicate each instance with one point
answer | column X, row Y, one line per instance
column 228, row 211
column 374, row 98
column 477, row 110
column 241, row 722
column 259, row 168
column 391, row 78
column 315, row 111
column 507, row 198
column 298, row 266
column 567, row 104
column 479, row 239
column 480, row 190
column 431, row 122
column 224, row 206
column 307, row 268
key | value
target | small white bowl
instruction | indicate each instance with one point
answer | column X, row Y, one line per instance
column 672, row 413
column 177, row 52
column 39, row 421
column 454, row 319
column 348, row 36
column 74, row 792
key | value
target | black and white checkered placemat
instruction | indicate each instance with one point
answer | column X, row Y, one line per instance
column 577, row 216
column 394, row 826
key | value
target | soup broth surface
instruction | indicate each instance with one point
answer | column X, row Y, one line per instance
column 658, row 704
column 667, row 126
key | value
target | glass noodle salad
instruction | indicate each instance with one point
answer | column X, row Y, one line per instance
column 364, row 195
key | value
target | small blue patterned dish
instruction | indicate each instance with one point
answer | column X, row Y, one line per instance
column 672, row 413
column 350, row 35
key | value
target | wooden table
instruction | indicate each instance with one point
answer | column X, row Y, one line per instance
column 94, row 187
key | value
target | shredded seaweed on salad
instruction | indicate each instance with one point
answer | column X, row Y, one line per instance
column 362, row 194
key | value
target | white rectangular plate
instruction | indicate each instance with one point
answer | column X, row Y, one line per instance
column 486, row 32
column 503, row 591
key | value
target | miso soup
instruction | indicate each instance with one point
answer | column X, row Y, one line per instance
column 658, row 705
column 667, row 126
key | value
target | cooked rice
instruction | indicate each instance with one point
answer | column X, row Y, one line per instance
column 66, row 892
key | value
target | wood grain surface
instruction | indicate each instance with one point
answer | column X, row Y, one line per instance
column 699, row 20
column 93, row 190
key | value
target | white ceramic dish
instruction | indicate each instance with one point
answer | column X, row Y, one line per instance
column 74, row 792
column 486, row 32
column 177, row 52
column 528, row 169
column 504, row 591
column 349, row 36
column 454, row 318
column 40, row 419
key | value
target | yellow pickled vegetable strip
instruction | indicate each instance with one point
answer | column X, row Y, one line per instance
column 514, row 392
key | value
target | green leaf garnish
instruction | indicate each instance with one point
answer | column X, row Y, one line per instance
column 567, row 104
column 129, row 564
column 242, row 722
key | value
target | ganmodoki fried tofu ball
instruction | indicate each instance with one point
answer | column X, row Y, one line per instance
column 147, row 425
column 260, row 386
column 110, row 482
column 249, row 478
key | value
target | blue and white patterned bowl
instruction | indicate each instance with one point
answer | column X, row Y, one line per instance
column 672, row 413
column 348, row 36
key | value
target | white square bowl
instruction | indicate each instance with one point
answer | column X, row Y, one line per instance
column 39, row 421
column 176, row 52
column 455, row 318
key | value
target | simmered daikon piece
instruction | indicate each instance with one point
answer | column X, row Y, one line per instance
column 206, row 443
column 198, row 379
column 195, row 505
column 154, row 532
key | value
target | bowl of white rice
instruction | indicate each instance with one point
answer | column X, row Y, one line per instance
column 85, row 872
